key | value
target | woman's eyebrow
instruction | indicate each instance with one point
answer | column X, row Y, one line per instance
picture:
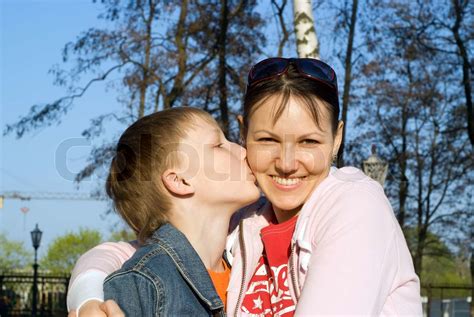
column 266, row 131
column 314, row 133
column 317, row 134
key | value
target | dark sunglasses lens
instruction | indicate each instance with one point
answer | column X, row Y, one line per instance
column 267, row 68
column 318, row 70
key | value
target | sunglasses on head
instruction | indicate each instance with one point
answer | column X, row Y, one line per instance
column 316, row 70
column 308, row 67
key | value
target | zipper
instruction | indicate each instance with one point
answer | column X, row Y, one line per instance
column 292, row 271
column 244, row 266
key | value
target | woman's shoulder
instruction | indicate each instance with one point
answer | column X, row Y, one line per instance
column 348, row 173
column 349, row 181
column 350, row 196
column 124, row 247
column 351, row 175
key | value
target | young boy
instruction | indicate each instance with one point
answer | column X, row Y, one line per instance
column 176, row 181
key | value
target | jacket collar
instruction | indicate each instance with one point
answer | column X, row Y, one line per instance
column 188, row 262
column 261, row 217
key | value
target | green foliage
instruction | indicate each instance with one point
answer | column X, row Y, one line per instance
column 13, row 254
column 444, row 270
column 440, row 266
column 65, row 250
column 438, row 271
column 122, row 235
column 434, row 247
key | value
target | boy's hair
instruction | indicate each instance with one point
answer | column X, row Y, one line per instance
column 144, row 151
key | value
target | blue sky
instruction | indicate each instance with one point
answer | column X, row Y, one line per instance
column 32, row 36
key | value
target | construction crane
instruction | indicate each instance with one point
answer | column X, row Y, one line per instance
column 19, row 195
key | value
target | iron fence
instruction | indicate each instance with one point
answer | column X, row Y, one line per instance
column 16, row 294
column 447, row 300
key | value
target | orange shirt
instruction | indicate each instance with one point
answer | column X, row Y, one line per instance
column 221, row 281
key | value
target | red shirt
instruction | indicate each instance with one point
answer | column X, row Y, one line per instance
column 268, row 292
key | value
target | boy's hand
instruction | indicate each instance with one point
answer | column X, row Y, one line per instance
column 96, row 308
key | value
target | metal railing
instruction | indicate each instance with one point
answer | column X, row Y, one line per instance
column 447, row 300
column 16, row 296
column 16, row 291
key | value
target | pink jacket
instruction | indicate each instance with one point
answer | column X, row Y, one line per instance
column 349, row 256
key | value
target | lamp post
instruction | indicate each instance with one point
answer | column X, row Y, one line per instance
column 375, row 168
column 36, row 240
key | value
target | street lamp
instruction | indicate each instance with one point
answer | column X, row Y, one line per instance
column 375, row 168
column 36, row 240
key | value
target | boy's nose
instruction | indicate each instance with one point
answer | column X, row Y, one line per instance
column 241, row 151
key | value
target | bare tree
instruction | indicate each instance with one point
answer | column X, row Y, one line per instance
column 447, row 29
column 164, row 55
column 461, row 9
column 281, row 20
column 413, row 112
column 449, row 32
column 347, row 75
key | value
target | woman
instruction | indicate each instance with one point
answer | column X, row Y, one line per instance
column 326, row 241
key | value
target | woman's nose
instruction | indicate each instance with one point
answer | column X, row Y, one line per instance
column 287, row 163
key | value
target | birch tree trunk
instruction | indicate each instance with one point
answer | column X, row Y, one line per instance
column 307, row 44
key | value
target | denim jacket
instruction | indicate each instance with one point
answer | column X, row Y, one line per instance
column 165, row 277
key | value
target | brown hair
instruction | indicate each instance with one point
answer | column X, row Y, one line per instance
column 144, row 151
column 290, row 84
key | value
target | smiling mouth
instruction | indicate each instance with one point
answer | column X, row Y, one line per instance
column 288, row 181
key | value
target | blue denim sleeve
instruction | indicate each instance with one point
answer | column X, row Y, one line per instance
column 135, row 293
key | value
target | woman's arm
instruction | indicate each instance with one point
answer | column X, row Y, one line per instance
column 355, row 259
column 91, row 270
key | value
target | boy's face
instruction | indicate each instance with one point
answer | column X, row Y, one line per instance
column 216, row 167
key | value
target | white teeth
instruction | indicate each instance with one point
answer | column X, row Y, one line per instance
column 287, row 181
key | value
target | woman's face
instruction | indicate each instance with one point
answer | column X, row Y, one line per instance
column 217, row 168
column 291, row 157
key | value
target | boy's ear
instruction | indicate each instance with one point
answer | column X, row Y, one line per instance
column 176, row 184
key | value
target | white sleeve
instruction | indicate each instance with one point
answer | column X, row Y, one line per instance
column 87, row 286
column 92, row 268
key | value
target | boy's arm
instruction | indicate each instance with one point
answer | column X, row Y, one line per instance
column 91, row 270
column 135, row 293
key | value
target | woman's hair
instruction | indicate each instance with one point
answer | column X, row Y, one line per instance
column 290, row 84
column 145, row 150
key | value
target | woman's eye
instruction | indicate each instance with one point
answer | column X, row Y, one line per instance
column 266, row 140
column 220, row 145
column 309, row 141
